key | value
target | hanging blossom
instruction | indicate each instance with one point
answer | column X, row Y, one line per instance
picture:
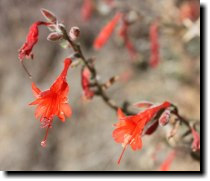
column 85, row 81
column 87, row 9
column 196, row 140
column 31, row 39
column 106, row 32
column 130, row 129
column 123, row 32
column 53, row 102
column 154, row 45
column 165, row 166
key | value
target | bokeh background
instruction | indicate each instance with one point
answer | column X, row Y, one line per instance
column 84, row 142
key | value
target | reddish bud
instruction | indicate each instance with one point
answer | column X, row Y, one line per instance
column 165, row 117
column 74, row 33
column 48, row 15
column 54, row 36
column 196, row 140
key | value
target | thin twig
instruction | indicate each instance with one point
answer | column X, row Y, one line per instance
column 100, row 91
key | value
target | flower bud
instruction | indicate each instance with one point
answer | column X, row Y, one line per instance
column 196, row 140
column 48, row 15
column 164, row 118
column 74, row 33
column 54, row 36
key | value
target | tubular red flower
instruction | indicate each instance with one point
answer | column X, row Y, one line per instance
column 53, row 102
column 106, row 32
column 154, row 45
column 85, row 81
column 165, row 166
column 31, row 40
column 130, row 129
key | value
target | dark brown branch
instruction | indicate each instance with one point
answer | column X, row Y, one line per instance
column 100, row 91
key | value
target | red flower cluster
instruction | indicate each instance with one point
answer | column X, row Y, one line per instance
column 53, row 102
column 130, row 129
column 154, row 45
column 85, row 81
column 106, row 32
column 31, row 40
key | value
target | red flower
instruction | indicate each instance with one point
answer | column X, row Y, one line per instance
column 196, row 140
column 130, row 129
column 85, row 75
column 106, row 32
column 165, row 166
column 31, row 40
column 53, row 102
column 87, row 9
column 154, row 45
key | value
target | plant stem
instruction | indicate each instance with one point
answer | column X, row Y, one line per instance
column 100, row 90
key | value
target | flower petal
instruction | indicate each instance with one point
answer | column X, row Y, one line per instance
column 136, row 143
column 120, row 114
column 66, row 109
column 119, row 134
column 37, row 101
column 36, row 91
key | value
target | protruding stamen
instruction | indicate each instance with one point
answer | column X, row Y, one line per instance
column 121, row 154
column 44, row 141
column 26, row 70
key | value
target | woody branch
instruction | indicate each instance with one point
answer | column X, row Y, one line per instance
column 101, row 92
